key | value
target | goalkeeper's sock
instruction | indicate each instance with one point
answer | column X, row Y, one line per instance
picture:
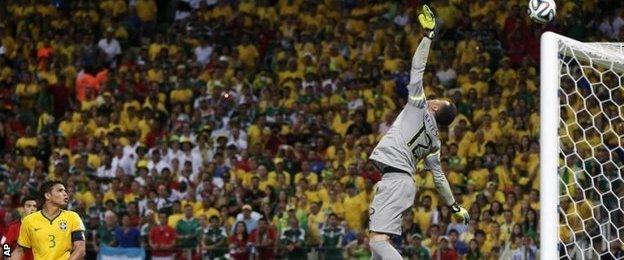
column 384, row 250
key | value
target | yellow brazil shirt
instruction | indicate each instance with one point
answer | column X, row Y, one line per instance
column 354, row 208
column 248, row 54
column 146, row 10
column 24, row 142
column 181, row 95
column 209, row 212
column 87, row 198
column 266, row 12
column 422, row 218
column 480, row 177
column 315, row 222
column 357, row 180
column 51, row 239
column 173, row 220
column 336, row 207
column 313, row 196
column 29, row 162
column 311, row 177
column 273, row 176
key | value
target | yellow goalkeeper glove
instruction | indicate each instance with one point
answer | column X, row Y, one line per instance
column 428, row 21
column 460, row 213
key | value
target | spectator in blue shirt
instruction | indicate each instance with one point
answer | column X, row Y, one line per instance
column 460, row 247
column 127, row 235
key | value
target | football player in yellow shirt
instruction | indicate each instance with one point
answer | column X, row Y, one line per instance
column 52, row 233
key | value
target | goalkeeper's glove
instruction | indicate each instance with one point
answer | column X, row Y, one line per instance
column 428, row 22
column 460, row 213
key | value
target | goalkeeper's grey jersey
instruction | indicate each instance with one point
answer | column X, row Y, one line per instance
column 414, row 134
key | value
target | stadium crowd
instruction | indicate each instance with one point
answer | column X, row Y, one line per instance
column 202, row 128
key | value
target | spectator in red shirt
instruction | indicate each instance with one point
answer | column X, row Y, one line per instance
column 133, row 213
column 162, row 239
column 263, row 240
column 445, row 252
column 238, row 242
column 10, row 238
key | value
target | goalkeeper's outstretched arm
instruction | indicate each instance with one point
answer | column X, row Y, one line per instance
column 432, row 162
column 419, row 61
column 428, row 22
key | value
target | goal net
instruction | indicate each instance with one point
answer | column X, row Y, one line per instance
column 582, row 140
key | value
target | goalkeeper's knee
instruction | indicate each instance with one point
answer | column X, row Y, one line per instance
column 384, row 250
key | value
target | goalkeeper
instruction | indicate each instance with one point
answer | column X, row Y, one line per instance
column 412, row 137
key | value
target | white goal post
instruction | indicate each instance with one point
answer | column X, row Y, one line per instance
column 581, row 156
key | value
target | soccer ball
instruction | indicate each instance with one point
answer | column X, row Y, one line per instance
column 542, row 11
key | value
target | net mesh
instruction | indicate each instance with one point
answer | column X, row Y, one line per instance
column 591, row 136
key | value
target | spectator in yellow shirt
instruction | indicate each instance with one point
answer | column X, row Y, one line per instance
column 422, row 213
column 248, row 53
column 306, row 173
column 29, row 140
column 479, row 175
column 353, row 177
column 334, row 204
column 146, row 10
column 355, row 208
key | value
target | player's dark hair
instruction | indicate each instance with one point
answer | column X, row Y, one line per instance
column 47, row 187
column 27, row 198
column 446, row 114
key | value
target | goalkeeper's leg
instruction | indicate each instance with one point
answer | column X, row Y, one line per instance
column 383, row 249
column 395, row 194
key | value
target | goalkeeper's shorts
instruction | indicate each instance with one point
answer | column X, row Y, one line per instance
column 393, row 196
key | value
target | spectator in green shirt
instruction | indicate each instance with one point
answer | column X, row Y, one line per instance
column 293, row 239
column 332, row 236
column 188, row 228
column 214, row 239
column 414, row 249
column 105, row 235
column 359, row 248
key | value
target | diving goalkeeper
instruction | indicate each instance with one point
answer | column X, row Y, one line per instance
column 413, row 136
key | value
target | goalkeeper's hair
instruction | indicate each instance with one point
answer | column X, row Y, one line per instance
column 446, row 114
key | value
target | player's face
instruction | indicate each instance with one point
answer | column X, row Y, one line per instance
column 58, row 195
column 30, row 206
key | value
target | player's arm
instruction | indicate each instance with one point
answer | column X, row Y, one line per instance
column 78, row 251
column 419, row 60
column 23, row 240
column 17, row 253
column 77, row 238
column 432, row 161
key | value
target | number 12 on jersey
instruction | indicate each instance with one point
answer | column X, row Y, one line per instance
column 421, row 146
